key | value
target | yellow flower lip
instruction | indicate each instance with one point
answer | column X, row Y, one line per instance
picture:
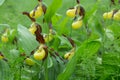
column 117, row 15
column 37, row 12
column 48, row 37
column 29, row 61
column 1, row 57
column 69, row 54
column 77, row 24
column 4, row 38
column 71, row 12
column 108, row 15
column 112, row 15
column 33, row 28
column 39, row 54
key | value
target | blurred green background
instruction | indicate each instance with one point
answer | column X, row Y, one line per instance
column 11, row 14
column 11, row 10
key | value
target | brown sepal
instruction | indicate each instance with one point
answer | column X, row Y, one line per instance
column 113, row 2
column 114, row 11
column 14, row 40
column 46, row 52
column 35, row 10
column 78, row 1
column 82, row 12
column 22, row 54
column 27, row 14
column 40, row 0
column 44, row 8
column 32, row 52
column 1, row 54
column 39, row 36
column 3, row 57
column 70, row 40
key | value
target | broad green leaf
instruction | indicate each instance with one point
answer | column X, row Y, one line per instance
column 13, row 56
column 4, row 71
column 12, row 34
column 91, row 47
column 63, row 27
column 99, row 28
column 52, row 9
column 109, row 34
column 1, row 2
column 4, row 25
column 91, row 12
column 56, row 43
column 50, row 62
column 64, row 42
column 115, row 28
column 26, row 39
column 56, row 18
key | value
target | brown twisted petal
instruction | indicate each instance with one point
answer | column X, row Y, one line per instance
column 27, row 14
column 35, row 10
column 39, row 36
column 44, row 8
column 1, row 54
column 40, row 0
column 46, row 52
column 78, row 1
column 113, row 2
column 114, row 12
column 70, row 40
column 82, row 12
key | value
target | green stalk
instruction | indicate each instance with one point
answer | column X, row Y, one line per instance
column 46, row 70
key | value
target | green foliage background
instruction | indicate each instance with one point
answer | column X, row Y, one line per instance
column 101, row 39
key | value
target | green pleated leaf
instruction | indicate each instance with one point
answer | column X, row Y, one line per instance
column 56, row 43
column 4, row 71
column 91, row 47
column 1, row 2
column 64, row 41
column 99, row 28
column 91, row 11
column 52, row 9
column 26, row 40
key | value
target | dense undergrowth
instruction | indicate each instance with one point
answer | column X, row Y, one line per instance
column 60, row 40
